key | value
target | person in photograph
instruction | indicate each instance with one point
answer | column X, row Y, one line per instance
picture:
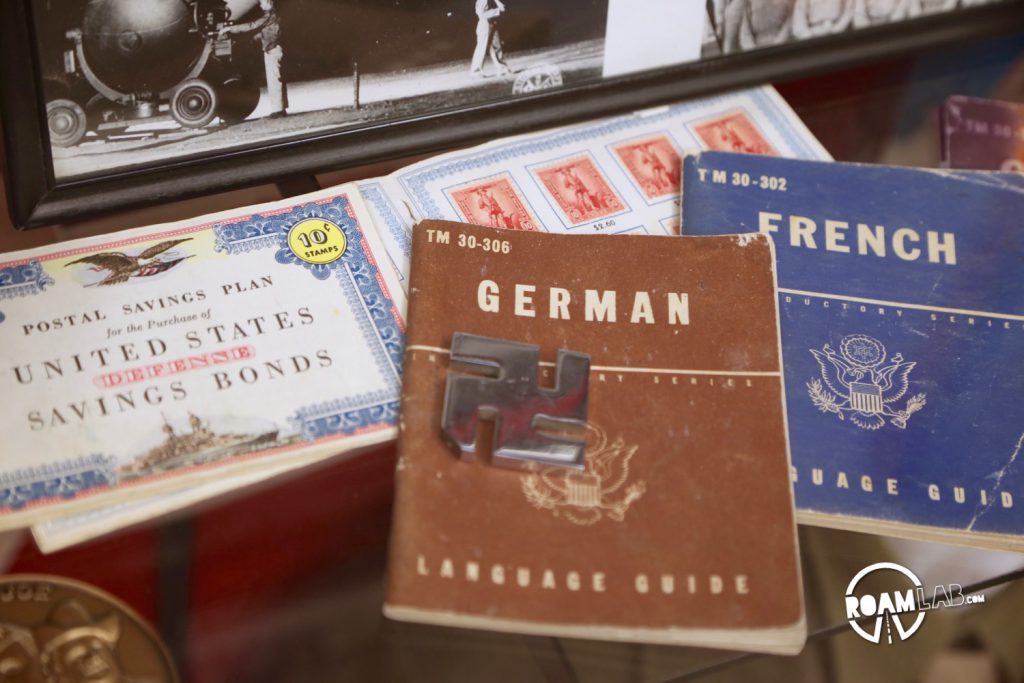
column 267, row 28
column 713, row 42
column 813, row 18
column 876, row 12
column 750, row 24
column 488, row 42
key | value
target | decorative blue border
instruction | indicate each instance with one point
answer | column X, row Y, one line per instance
column 259, row 232
column 359, row 280
column 374, row 195
column 415, row 182
column 345, row 416
column 62, row 480
column 26, row 279
column 375, row 317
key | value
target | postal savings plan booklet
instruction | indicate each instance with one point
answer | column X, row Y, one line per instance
column 194, row 352
column 901, row 294
column 685, row 443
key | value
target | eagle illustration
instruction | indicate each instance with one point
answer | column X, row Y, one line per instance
column 586, row 497
column 868, row 387
column 121, row 266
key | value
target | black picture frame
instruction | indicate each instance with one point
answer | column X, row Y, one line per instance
column 35, row 198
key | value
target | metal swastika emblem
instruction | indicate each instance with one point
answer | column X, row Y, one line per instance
column 503, row 387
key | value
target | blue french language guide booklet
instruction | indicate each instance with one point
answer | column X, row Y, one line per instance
column 902, row 320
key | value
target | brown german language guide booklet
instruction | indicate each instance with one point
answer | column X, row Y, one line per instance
column 680, row 529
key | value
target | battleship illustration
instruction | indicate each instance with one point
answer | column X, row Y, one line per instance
column 199, row 445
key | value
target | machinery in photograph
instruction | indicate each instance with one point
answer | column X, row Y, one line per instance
column 135, row 61
column 107, row 103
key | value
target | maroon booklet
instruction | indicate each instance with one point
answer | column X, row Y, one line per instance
column 677, row 526
column 982, row 134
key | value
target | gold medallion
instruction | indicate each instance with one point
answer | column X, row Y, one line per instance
column 55, row 630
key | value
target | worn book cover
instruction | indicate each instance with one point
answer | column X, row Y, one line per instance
column 902, row 300
column 982, row 134
column 679, row 528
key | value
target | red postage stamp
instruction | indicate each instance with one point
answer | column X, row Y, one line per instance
column 654, row 163
column 493, row 202
column 579, row 189
column 734, row 132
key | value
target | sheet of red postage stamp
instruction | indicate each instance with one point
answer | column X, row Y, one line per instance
column 733, row 132
column 493, row 202
column 654, row 164
column 579, row 189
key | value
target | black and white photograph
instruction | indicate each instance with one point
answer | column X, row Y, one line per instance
column 131, row 84
column 741, row 25
column 135, row 83
column 112, row 103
